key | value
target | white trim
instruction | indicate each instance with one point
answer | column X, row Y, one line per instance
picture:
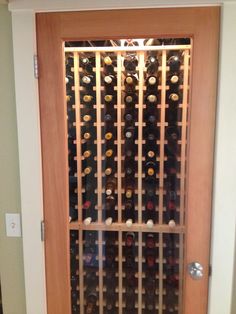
column 224, row 214
column 75, row 5
column 23, row 26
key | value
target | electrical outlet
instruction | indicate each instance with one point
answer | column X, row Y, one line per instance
column 13, row 225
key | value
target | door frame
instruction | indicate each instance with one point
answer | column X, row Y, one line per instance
column 28, row 133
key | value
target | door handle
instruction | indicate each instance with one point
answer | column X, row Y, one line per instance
column 195, row 270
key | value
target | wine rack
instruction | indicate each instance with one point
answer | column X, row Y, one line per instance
column 127, row 109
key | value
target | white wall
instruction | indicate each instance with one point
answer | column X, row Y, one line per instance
column 224, row 199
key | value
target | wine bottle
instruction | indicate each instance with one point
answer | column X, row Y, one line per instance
column 129, row 191
column 108, row 65
column 130, row 83
column 109, row 81
column 150, row 168
column 110, row 301
column 173, row 81
column 73, row 214
column 69, row 80
column 87, row 154
column 152, row 82
column 152, row 64
column 173, row 97
column 151, row 99
column 150, row 210
column 150, row 241
column 130, row 62
column 87, row 98
column 110, row 202
column 87, row 170
column 130, row 299
column 129, row 117
column 129, row 210
column 108, row 117
column 109, row 98
column 87, row 136
column 172, row 134
column 108, row 136
column 130, row 99
column 87, row 118
column 109, row 153
column 150, row 302
column 110, row 186
column 88, row 81
column 174, row 63
column 151, row 118
column 129, row 239
column 150, row 134
column 74, row 281
column 108, row 171
column 86, row 65
column 129, row 133
column 91, row 302
column 150, row 258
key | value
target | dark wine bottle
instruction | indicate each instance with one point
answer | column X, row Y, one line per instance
column 88, row 81
column 174, row 63
column 150, row 168
column 108, row 65
column 91, row 302
column 152, row 82
column 151, row 99
column 152, row 64
column 130, row 83
column 108, row 136
column 172, row 134
column 87, row 99
column 129, row 210
column 130, row 62
column 173, row 81
column 109, row 81
column 130, row 239
column 73, row 214
column 130, row 99
column 110, row 186
column 129, row 133
column 86, row 65
column 110, row 202
column 108, row 117
column 129, row 117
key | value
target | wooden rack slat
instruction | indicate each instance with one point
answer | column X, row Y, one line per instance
column 120, row 272
column 183, row 173
column 79, row 179
column 119, row 151
column 122, row 227
column 119, row 180
column 161, row 175
column 99, row 179
column 130, row 48
column 140, row 153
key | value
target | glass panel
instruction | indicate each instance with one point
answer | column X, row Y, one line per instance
column 127, row 109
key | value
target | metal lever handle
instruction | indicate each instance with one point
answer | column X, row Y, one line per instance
column 195, row 270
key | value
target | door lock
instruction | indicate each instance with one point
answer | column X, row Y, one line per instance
column 195, row 270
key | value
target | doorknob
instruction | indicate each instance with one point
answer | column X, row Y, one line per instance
column 195, row 270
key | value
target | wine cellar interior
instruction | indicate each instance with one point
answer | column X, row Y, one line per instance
column 127, row 110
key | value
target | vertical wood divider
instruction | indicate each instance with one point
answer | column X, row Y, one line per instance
column 119, row 183
column 140, row 153
column 161, row 176
column 183, row 172
column 79, row 178
column 99, row 177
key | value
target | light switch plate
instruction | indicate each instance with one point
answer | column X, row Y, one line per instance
column 13, row 225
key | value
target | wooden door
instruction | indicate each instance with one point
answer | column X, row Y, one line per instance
column 193, row 229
